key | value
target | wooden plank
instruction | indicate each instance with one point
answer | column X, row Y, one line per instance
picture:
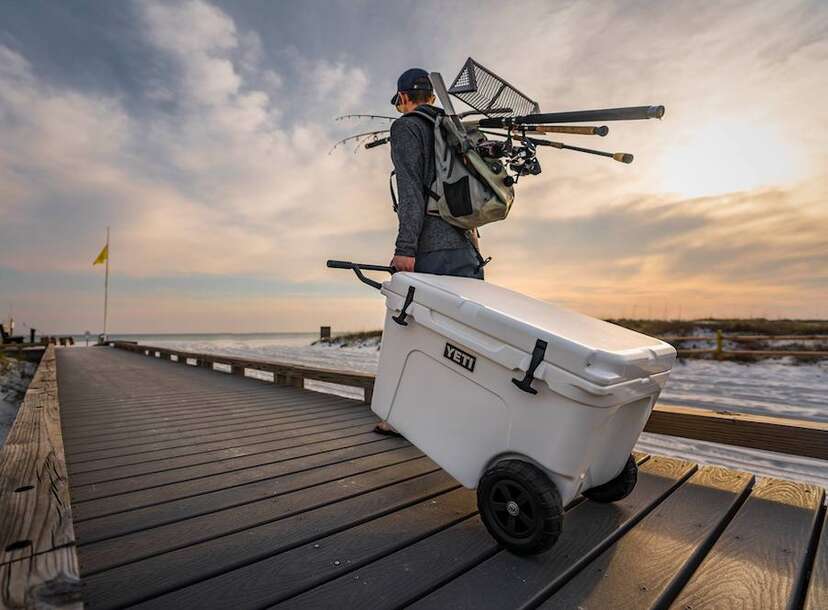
column 260, row 403
column 302, row 568
column 139, row 491
column 34, row 491
column 759, row 560
column 264, row 442
column 791, row 436
column 90, row 427
column 205, row 440
column 398, row 579
column 228, row 442
column 195, row 436
column 510, row 581
column 48, row 580
column 294, row 497
column 38, row 561
column 144, row 523
column 209, row 470
column 160, row 498
column 203, row 422
column 651, row 562
column 817, row 596
column 164, row 573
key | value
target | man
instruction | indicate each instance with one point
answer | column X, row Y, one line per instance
column 425, row 243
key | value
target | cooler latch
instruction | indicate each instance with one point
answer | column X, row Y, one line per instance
column 409, row 297
column 538, row 353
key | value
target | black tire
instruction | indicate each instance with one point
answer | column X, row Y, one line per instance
column 619, row 487
column 520, row 507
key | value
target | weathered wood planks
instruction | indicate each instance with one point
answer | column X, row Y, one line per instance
column 281, row 508
column 817, row 595
column 759, row 561
column 649, row 564
column 37, row 538
column 510, row 581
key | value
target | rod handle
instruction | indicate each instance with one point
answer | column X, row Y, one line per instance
column 623, row 157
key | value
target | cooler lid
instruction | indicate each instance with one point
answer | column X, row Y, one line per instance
column 592, row 349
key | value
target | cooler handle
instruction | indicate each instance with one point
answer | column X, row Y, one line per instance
column 357, row 268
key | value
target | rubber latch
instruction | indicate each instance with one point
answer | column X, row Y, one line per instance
column 409, row 297
column 538, row 353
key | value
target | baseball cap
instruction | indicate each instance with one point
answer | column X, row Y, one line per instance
column 413, row 79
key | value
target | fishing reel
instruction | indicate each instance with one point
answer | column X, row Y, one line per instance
column 524, row 160
column 521, row 160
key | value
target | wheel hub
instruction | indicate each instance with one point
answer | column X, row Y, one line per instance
column 512, row 508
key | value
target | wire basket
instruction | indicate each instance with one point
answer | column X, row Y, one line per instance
column 486, row 92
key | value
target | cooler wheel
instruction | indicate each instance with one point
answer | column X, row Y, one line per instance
column 619, row 487
column 520, row 507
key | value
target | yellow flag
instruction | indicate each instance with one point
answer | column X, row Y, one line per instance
column 103, row 256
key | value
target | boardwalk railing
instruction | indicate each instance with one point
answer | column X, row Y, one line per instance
column 38, row 560
column 781, row 435
column 283, row 374
column 719, row 352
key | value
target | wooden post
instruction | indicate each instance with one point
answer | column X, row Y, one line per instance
column 324, row 332
column 718, row 344
column 368, row 394
column 32, row 335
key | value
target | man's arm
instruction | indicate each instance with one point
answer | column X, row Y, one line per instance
column 409, row 164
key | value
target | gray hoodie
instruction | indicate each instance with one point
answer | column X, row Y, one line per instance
column 412, row 152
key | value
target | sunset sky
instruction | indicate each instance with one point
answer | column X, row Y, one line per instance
column 200, row 133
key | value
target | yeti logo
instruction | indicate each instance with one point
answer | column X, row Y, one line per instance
column 458, row 356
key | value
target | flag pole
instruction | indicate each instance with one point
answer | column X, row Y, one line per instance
column 106, row 286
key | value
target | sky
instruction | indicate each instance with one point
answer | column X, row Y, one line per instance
column 200, row 132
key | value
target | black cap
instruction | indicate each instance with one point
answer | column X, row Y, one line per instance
column 413, row 79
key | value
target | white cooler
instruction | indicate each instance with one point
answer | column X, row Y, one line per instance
column 445, row 381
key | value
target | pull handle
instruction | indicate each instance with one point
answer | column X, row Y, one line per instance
column 358, row 268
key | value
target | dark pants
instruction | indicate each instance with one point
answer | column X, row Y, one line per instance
column 462, row 262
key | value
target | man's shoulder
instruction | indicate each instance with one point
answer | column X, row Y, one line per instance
column 422, row 117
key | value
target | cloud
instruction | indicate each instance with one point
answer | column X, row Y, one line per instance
column 215, row 166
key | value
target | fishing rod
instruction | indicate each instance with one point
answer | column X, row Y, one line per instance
column 360, row 136
column 621, row 157
column 631, row 113
column 568, row 129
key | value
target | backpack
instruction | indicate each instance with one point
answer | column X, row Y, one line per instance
column 468, row 191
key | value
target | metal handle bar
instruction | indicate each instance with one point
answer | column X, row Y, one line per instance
column 358, row 268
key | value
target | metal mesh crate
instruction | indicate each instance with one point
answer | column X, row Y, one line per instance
column 486, row 92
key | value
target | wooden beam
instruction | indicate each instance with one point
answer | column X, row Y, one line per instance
column 781, row 435
column 37, row 537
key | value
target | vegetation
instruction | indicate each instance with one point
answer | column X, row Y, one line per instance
column 753, row 326
column 367, row 337
column 689, row 328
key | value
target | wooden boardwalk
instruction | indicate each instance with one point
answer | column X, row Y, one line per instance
column 193, row 489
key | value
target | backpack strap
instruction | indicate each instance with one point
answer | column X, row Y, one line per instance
column 423, row 113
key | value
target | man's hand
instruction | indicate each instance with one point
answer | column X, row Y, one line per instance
column 403, row 263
